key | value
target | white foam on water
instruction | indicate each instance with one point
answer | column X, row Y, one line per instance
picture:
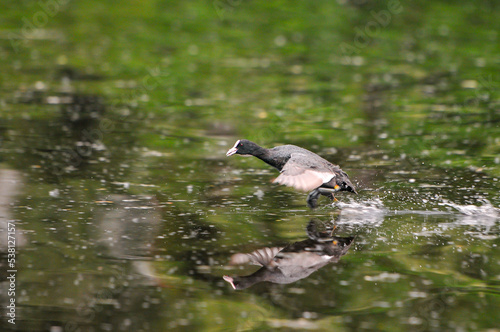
column 476, row 215
column 484, row 219
column 373, row 212
column 370, row 212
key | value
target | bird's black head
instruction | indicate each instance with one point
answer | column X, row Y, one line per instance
column 243, row 146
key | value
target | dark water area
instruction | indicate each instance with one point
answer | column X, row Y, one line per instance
column 119, row 210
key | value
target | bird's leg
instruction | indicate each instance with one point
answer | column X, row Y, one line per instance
column 333, row 230
column 328, row 192
column 312, row 198
column 330, row 228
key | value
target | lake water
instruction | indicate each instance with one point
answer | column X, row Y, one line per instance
column 128, row 216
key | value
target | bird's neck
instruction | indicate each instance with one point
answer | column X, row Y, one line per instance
column 265, row 155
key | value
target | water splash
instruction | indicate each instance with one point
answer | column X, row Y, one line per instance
column 475, row 215
column 486, row 209
column 370, row 212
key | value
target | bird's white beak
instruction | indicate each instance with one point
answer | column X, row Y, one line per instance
column 229, row 280
column 231, row 151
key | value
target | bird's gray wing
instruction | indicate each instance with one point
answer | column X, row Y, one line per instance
column 260, row 257
column 301, row 174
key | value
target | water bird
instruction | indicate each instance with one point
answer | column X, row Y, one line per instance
column 300, row 168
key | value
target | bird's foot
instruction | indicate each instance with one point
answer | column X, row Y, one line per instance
column 312, row 198
column 328, row 192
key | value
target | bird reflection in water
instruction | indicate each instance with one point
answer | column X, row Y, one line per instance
column 285, row 265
